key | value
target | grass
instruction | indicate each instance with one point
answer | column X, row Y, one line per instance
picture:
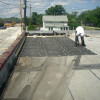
column 91, row 28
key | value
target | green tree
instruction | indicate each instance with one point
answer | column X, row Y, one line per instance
column 39, row 19
column 90, row 17
column 27, row 21
column 1, row 22
column 55, row 10
column 73, row 20
column 34, row 18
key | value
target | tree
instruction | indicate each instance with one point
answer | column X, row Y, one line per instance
column 27, row 21
column 55, row 10
column 90, row 17
column 39, row 19
column 73, row 20
column 34, row 18
column 1, row 22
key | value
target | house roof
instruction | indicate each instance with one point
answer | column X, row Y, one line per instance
column 62, row 18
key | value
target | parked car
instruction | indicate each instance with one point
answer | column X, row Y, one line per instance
column 3, row 27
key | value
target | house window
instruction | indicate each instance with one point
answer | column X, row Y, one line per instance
column 50, row 28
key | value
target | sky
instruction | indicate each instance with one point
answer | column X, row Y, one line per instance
column 11, row 8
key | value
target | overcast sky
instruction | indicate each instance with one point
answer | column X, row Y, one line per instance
column 10, row 8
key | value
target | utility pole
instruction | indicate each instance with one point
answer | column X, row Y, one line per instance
column 30, row 12
column 24, row 6
column 30, row 8
column 21, row 16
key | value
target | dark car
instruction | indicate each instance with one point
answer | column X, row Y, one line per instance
column 3, row 27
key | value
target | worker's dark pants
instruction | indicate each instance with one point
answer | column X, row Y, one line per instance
column 76, row 40
column 82, row 41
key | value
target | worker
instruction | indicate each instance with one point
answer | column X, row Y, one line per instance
column 79, row 32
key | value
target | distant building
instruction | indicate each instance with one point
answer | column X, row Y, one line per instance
column 53, row 23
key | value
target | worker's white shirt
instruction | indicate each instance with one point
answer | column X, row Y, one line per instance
column 80, row 31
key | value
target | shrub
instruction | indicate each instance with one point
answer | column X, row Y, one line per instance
column 31, row 27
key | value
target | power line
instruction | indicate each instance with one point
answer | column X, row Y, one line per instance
column 4, row 8
column 7, row 3
column 16, row 14
column 6, row 11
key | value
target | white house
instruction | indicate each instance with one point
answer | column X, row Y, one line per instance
column 55, row 23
